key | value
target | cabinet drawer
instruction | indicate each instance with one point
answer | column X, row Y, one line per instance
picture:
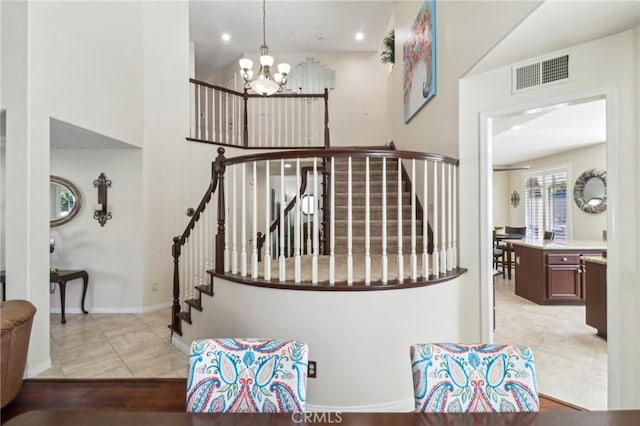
column 563, row 259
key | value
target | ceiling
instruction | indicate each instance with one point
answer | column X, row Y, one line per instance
column 547, row 131
column 558, row 24
column 68, row 136
column 301, row 26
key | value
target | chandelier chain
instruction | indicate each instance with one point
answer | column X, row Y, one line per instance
column 264, row 23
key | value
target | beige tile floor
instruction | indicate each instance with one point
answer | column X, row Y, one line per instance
column 114, row 345
column 571, row 361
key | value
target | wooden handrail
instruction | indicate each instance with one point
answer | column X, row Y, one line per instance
column 253, row 95
column 276, row 222
column 342, row 153
column 176, row 249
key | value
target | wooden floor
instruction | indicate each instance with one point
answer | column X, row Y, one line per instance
column 128, row 395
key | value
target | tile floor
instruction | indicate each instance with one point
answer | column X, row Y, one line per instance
column 114, row 345
column 571, row 361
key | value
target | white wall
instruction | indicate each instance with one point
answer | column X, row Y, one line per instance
column 461, row 41
column 112, row 255
column 358, row 114
column 502, row 199
column 607, row 66
column 89, row 65
column 582, row 226
column 27, row 178
column 366, row 368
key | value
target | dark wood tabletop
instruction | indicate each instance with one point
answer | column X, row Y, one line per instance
column 99, row 418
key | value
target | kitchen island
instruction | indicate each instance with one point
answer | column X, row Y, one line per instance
column 549, row 272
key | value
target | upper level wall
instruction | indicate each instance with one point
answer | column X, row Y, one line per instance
column 465, row 31
column 87, row 65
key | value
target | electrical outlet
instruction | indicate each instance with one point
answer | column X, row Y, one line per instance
column 154, row 286
column 312, row 369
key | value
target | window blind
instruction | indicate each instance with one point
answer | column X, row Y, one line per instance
column 545, row 196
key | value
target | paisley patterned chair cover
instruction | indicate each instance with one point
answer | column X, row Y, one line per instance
column 247, row 376
column 473, row 378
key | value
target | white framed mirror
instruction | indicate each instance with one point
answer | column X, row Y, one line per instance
column 65, row 201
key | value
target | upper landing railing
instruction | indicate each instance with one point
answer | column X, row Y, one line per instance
column 238, row 119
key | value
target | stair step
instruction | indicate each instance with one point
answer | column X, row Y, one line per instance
column 376, row 244
column 206, row 289
column 358, row 228
column 185, row 316
column 194, row 303
column 358, row 198
column 375, row 186
column 375, row 211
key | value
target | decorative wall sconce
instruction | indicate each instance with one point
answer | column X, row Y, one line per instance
column 515, row 198
column 100, row 213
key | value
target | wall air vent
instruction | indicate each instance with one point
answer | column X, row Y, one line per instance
column 540, row 73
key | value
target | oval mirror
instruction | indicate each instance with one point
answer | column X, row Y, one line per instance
column 590, row 191
column 65, row 201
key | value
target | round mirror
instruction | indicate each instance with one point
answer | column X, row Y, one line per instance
column 590, row 191
column 65, row 201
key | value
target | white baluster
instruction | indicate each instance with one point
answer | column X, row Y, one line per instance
column 454, row 237
column 425, row 224
column 314, row 260
column 243, row 222
column 443, row 205
column 384, row 259
column 414, row 258
column 227, row 252
column 282, row 271
column 449, row 228
column 298, row 229
column 399, row 233
column 435, row 256
column 332, row 232
column 286, row 134
column 226, row 116
column 272, row 122
column 220, row 117
column 349, row 223
column 367, row 230
column 234, row 221
column 254, row 248
column 267, row 225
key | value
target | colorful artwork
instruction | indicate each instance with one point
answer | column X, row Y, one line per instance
column 419, row 56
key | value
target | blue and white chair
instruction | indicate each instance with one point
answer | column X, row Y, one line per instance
column 247, row 376
column 451, row 377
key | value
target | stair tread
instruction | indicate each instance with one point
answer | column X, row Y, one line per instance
column 195, row 303
column 185, row 316
column 206, row 289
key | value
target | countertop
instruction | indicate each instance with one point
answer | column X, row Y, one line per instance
column 595, row 259
column 553, row 245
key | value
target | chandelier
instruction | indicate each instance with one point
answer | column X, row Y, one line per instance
column 265, row 83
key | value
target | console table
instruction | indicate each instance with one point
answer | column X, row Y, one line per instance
column 61, row 278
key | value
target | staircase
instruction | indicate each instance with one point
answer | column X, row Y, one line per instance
column 358, row 177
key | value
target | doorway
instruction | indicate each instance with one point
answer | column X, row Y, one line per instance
column 550, row 145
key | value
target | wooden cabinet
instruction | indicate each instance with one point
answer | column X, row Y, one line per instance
column 564, row 277
column 551, row 276
column 595, row 279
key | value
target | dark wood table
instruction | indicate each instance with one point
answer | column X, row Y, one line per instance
column 61, row 278
column 120, row 418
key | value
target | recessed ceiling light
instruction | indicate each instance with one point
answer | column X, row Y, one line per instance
column 533, row 111
column 516, row 127
column 359, row 36
column 226, row 37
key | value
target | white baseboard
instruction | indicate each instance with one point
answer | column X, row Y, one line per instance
column 34, row 370
column 183, row 347
column 387, row 407
column 112, row 310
